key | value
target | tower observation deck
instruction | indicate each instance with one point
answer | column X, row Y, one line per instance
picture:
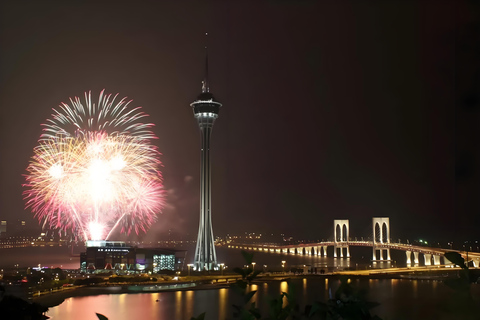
column 205, row 110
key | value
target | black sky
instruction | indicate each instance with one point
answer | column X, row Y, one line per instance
column 332, row 109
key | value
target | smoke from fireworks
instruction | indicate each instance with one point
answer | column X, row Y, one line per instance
column 95, row 170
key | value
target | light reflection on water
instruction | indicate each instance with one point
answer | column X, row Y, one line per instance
column 178, row 304
column 284, row 288
column 415, row 288
column 253, row 287
column 399, row 299
column 223, row 303
column 304, row 286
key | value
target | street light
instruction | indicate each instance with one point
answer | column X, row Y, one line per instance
column 221, row 267
column 189, row 266
column 253, row 266
column 283, row 265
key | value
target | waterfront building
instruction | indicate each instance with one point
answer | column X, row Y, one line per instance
column 102, row 256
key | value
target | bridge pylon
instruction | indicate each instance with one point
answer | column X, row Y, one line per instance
column 381, row 237
column 341, row 237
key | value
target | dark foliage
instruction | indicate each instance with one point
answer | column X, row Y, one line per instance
column 13, row 308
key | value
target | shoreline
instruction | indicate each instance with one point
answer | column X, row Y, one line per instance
column 57, row 298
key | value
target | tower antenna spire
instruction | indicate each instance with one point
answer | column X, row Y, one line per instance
column 205, row 86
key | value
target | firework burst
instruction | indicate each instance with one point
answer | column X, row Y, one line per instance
column 95, row 170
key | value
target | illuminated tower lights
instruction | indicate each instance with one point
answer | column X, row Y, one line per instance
column 205, row 110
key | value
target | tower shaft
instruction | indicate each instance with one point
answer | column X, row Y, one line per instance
column 205, row 255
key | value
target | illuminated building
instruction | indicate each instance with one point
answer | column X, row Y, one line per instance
column 205, row 110
column 117, row 256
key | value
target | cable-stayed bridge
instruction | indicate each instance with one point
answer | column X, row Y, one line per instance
column 381, row 246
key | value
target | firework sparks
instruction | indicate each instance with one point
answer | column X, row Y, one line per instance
column 95, row 169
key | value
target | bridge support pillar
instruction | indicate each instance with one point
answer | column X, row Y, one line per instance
column 348, row 252
column 381, row 235
column 476, row 262
column 341, row 236
column 380, row 254
column 324, row 251
column 308, row 251
column 428, row 259
column 446, row 261
column 292, row 250
column 409, row 257
column 436, row 260
column 415, row 255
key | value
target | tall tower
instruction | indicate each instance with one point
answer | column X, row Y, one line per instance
column 205, row 110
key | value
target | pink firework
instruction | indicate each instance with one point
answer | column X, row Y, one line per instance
column 95, row 170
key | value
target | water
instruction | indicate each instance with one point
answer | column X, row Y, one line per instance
column 399, row 299
column 33, row 256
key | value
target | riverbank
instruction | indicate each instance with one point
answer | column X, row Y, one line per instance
column 56, row 298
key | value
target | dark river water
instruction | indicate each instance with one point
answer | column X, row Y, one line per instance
column 399, row 299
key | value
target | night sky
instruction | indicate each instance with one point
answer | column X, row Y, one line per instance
column 331, row 109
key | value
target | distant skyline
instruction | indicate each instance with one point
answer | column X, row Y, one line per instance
column 331, row 110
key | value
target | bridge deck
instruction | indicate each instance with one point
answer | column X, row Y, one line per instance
column 395, row 246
